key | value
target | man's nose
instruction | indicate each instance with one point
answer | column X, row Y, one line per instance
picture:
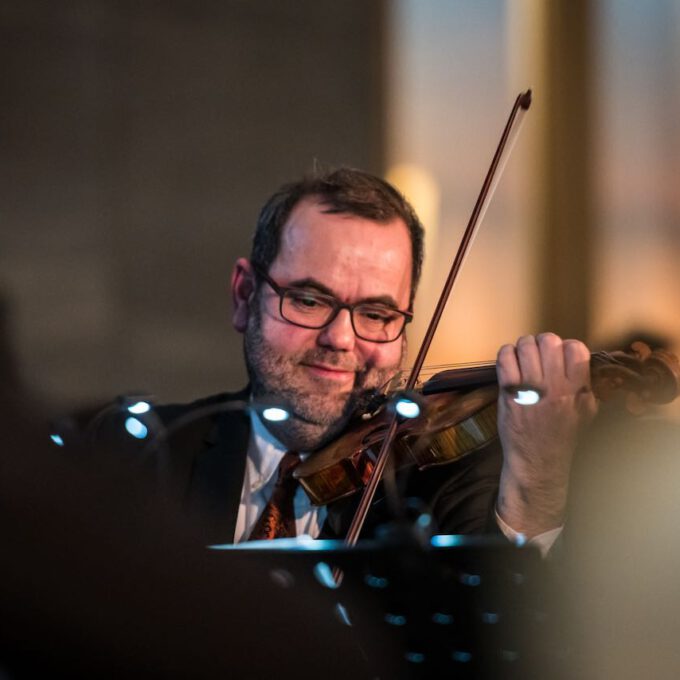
column 339, row 334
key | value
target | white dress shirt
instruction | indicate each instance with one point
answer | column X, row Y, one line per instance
column 542, row 541
column 264, row 454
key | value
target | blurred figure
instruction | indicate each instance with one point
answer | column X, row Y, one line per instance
column 621, row 553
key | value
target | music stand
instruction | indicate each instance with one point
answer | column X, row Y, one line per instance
column 453, row 606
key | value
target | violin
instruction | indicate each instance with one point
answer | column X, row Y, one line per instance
column 458, row 415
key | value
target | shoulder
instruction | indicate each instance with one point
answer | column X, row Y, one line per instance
column 211, row 405
column 109, row 427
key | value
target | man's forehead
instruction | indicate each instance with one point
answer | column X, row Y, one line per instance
column 312, row 205
column 316, row 214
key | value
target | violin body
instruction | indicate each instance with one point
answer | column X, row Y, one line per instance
column 451, row 425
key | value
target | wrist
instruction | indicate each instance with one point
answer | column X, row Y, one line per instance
column 531, row 505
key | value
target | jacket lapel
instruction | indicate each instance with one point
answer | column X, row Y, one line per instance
column 213, row 492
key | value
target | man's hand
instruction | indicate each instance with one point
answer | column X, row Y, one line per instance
column 539, row 440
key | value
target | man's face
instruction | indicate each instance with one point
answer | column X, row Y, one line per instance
column 323, row 375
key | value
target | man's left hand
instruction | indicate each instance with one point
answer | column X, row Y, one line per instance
column 538, row 440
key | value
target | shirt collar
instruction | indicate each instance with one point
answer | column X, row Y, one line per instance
column 266, row 451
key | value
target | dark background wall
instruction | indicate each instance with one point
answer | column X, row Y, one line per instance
column 138, row 141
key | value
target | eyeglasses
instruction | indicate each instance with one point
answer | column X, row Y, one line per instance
column 371, row 321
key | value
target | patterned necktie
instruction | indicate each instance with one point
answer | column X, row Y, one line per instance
column 278, row 517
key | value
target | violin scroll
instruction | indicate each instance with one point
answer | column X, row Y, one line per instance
column 640, row 377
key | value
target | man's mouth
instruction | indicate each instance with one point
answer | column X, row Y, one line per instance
column 328, row 372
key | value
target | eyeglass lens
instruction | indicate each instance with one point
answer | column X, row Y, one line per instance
column 370, row 321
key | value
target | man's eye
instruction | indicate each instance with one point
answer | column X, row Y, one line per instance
column 381, row 315
column 306, row 301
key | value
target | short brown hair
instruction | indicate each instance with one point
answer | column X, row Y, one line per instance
column 344, row 190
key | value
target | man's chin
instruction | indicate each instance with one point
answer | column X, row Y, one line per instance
column 320, row 416
column 299, row 434
column 318, row 402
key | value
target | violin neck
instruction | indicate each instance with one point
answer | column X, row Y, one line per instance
column 479, row 375
column 462, row 378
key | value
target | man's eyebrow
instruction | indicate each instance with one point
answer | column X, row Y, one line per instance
column 309, row 282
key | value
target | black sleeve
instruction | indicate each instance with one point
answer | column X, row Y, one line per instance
column 461, row 496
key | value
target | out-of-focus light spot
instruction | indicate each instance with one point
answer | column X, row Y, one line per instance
column 509, row 655
column 305, row 540
column 527, row 397
column 460, row 656
column 282, row 578
column 301, row 543
column 421, row 188
column 136, row 428
column 414, row 657
column 470, row 579
column 424, row 520
column 375, row 581
column 407, row 408
column 442, row 619
column 342, row 614
column 57, row 439
column 445, row 541
column 490, row 617
column 324, row 575
column 395, row 619
column 139, row 407
column 274, row 414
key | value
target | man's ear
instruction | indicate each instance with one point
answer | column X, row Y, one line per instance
column 242, row 292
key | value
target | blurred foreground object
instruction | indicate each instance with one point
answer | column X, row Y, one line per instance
column 621, row 553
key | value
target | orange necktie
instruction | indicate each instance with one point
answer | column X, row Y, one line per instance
column 278, row 517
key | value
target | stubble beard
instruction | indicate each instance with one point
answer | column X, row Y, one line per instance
column 318, row 410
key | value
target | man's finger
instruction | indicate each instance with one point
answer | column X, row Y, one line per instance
column 529, row 358
column 577, row 363
column 552, row 360
column 507, row 366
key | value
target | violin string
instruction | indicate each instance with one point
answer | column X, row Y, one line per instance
column 398, row 379
column 429, row 370
column 598, row 357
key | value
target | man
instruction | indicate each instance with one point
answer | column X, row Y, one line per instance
column 322, row 304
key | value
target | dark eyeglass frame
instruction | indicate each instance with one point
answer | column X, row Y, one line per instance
column 335, row 304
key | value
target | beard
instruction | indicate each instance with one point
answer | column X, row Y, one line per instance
column 318, row 410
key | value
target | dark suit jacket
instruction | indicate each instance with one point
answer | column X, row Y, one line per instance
column 205, row 461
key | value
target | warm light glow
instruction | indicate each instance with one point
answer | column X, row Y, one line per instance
column 420, row 188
